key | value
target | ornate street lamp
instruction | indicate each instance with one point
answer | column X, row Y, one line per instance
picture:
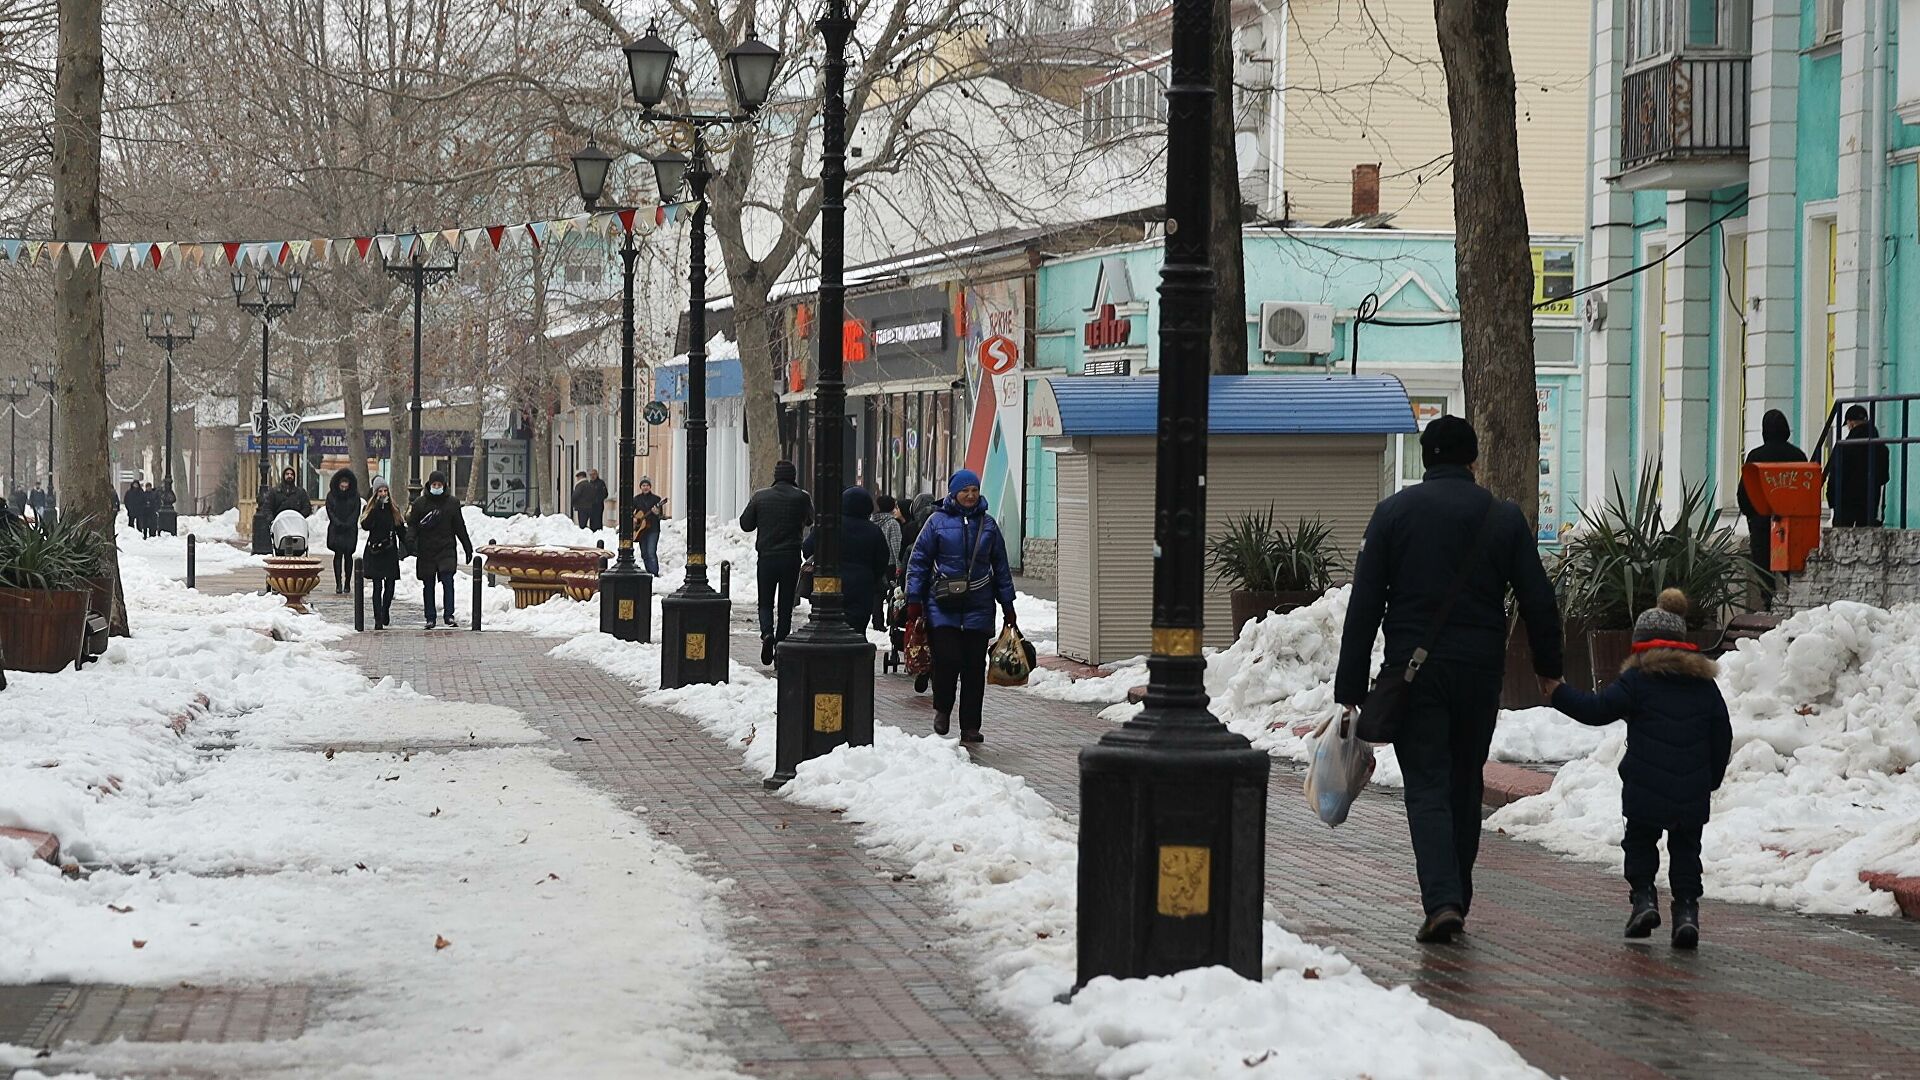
column 47, row 382
column 694, row 620
column 14, row 393
column 166, row 338
column 826, row 669
column 265, row 306
column 626, row 593
column 1172, row 803
column 417, row 273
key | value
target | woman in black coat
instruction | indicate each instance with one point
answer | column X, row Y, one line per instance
column 863, row 557
column 136, row 504
column 343, row 532
column 438, row 528
column 386, row 535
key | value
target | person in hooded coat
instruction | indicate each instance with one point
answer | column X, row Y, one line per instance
column 438, row 528
column 1857, row 473
column 136, row 504
column 1776, row 446
column 343, row 530
column 386, row 533
column 289, row 495
column 961, row 542
column 863, row 557
column 149, row 510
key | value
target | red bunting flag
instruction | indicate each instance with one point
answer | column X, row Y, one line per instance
column 233, row 251
column 361, row 244
column 99, row 251
column 494, row 233
column 626, row 220
column 660, row 214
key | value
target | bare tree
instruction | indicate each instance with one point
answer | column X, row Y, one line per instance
column 1495, row 268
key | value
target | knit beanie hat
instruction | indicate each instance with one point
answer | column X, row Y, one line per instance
column 785, row 470
column 1665, row 621
column 1449, row 440
column 962, row 480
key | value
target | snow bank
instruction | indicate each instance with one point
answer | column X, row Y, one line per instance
column 1821, row 785
column 1004, row 861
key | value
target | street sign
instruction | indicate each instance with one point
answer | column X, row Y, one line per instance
column 284, row 424
column 655, row 412
column 1105, row 366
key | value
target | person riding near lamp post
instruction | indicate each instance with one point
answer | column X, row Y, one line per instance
column 649, row 510
column 956, row 576
column 438, row 527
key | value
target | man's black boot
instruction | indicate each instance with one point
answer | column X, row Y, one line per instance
column 1646, row 913
column 1441, row 926
column 1686, row 924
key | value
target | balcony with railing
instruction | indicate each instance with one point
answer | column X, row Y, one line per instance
column 1683, row 123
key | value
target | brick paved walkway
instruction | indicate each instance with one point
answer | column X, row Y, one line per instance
column 1768, row 995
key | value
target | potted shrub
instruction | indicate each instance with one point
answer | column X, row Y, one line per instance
column 1270, row 567
column 1616, row 564
column 43, row 596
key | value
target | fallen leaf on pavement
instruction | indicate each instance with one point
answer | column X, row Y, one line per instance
column 1310, row 973
column 436, row 812
column 329, row 753
column 440, row 943
column 118, row 910
column 1254, row 1062
column 582, row 738
column 139, row 944
column 359, row 866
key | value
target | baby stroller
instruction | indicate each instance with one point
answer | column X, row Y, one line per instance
column 896, row 627
column 289, row 532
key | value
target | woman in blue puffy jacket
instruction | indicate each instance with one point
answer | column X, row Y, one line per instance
column 956, row 576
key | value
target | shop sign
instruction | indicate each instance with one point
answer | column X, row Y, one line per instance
column 1108, row 330
column 999, row 355
column 1106, row 367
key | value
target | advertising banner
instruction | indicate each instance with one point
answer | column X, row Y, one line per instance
column 996, row 445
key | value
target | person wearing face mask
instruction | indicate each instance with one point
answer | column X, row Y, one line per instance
column 381, row 563
column 289, row 495
column 438, row 529
column 343, row 510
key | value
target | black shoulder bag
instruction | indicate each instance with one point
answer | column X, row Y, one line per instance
column 951, row 592
column 1386, row 706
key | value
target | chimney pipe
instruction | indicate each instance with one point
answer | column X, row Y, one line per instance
column 1366, row 190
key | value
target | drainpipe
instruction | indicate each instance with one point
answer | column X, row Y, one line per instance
column 1876, row 151
column 1276, row 36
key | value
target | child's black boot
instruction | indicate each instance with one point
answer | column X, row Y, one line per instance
column 1646, row 913
column 1686, row 924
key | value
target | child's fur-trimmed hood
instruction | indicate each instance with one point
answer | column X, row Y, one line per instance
column 1672, row 662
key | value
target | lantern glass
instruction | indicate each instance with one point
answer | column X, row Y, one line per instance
column 753, row 63
column 590, row 168
column 293, row 284
column 669, row 172
column 650, row 66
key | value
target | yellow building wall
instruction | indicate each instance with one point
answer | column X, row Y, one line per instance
column 1364, row 84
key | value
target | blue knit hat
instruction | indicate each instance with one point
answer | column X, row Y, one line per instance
column 962, row 480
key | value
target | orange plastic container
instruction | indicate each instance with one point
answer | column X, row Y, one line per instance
column 1789, row 493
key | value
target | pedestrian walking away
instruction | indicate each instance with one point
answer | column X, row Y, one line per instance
column 386, row 537
column 649, row 510
column 343, row 530
column 779, row 516
column 1857, row 473
column 289, row 495
column 1678, row 741
column 1447, row 547
column 1776, row 445
column 437, row 527
column 582, row 494
column 886, row 514
column 863, row 557
column 136, row 504
column 596, row 501
column 149, row 510
column 957, row 574
column 919, row 513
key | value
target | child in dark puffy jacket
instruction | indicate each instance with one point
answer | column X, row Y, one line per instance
column 1678, row 741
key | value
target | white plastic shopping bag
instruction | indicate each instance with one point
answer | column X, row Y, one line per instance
column 1342, row 764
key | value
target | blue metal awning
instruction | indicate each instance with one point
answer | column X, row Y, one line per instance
column 1237, row 405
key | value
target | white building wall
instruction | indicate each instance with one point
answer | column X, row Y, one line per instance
column 1611, row 252
column 1773, row 216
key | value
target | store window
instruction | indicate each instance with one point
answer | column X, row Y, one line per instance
column 1425, row 410
column 1553, row 278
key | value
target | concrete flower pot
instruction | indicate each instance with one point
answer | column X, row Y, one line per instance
column 293, row 577
column 536, row 573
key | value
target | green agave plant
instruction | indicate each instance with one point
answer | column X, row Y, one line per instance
column 59, row 556
column 1612, row 569
column 1257, row 554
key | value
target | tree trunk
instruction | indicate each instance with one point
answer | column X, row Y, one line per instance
column 346, row 359
column 1494, row 267
column 86, row 491
column 761, row 384
column 1229, row 261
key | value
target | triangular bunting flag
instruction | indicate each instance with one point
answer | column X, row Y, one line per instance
column 33, row 251
column 470, row 239
column 494, row 235
column 298, row 251
column 280, row 252
column 387, row 243
column 12, row 248
column 451, row 238
column 318, row 245
column 232, row 252
column 99, row 251
column 143, row 254
column 625, row 218
column 192, row 254
column 537, row 230
column 660, row 215
column 557, row 230
column 584, row 222
column 162, row 250
column 361, row 244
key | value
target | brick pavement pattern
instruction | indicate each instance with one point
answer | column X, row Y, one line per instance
column 1769, row 994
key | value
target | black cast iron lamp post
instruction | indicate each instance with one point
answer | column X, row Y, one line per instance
column 266, row 307
column 48, row 383
column 1172, row 804
column 626, row 592
column 168, row 517
column 826, row 668
column 694, row 620
column 13, row 395
column 418, row 274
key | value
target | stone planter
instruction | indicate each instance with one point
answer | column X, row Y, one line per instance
column 42, row 630
column 293, row 577
column 535, row 574
column 581, row 585
column 1248, row 606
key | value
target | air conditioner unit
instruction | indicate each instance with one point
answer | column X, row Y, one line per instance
column 1289, row 327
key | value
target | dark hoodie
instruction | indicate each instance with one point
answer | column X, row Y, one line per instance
column 863, row 556
column 288, row 495
column 1776, row 445
column 1855, row 476
column 437, row 527
column 343, row 513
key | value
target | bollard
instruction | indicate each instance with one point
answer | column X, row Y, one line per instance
column 359, row 595
column 478, row 562
column 189, row 560
column 726, row 577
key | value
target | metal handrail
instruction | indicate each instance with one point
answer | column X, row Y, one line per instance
column 1829, row 437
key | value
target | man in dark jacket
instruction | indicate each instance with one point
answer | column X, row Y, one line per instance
column 863, row 557
column 437, row 525
column 1417, row 541
column 135, row 502
column 582, row 495
column 596, row 501
column 1776, row 446
column 289, row 495
column 779, row 515
column 1857, row 473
